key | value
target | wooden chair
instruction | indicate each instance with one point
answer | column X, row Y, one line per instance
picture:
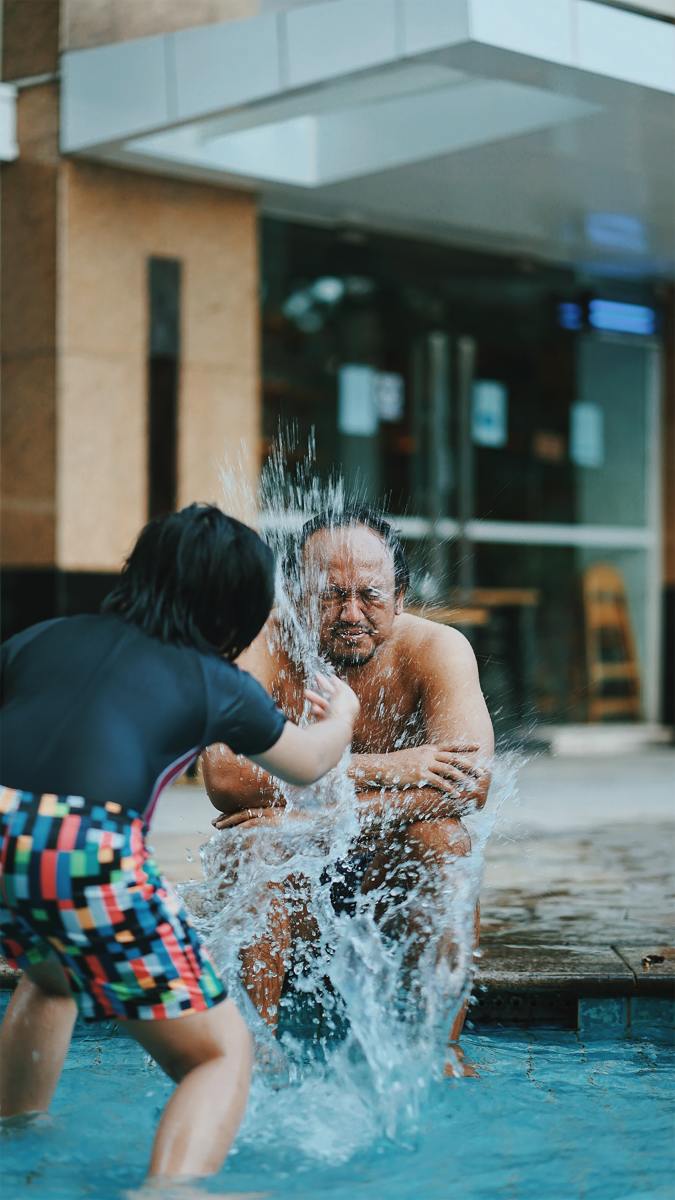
column 613, row 674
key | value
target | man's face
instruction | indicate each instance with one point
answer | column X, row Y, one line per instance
column 351, row 572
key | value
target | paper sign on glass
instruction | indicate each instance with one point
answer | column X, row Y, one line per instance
column 357, row 400
column 587, row 434
column 390, row 396
column 489, row 413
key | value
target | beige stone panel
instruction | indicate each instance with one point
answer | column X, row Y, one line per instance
column 234, row 10
column 116, row 220
column 28, row 229
column 28, row 334
column 88, row 23
column 29, row 205
column 134, row 20
column 30, row 37
column 103, row 302
column 37, row 123
column 220, row 285
column 102, row 440
column 26, row 536
column 218, row 428
column 113, row 222
column 27, row 466
column 28, row 429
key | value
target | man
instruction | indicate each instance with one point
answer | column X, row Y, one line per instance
column 421, row 743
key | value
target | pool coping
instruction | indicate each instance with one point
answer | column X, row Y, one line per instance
column 593, row 1006
column 512, row 966
column 518, row 968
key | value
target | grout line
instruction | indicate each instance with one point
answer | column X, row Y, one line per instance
column 625, row 962
column 283, row 51
column 171, row 77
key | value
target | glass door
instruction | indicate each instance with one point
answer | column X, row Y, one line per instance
column 565, row 477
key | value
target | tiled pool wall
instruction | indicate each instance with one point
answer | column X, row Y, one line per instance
column 594, row 1018
column 636, row 1016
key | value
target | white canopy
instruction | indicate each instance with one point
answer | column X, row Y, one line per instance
column 542, row 127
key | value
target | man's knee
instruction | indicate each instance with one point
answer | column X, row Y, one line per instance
column 448, row 838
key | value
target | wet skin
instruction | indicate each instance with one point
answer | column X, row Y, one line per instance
column 421, row 745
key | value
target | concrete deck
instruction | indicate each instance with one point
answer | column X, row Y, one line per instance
column 579, row 886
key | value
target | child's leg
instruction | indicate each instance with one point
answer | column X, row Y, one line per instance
column 34, row 1039
column 209, row 1055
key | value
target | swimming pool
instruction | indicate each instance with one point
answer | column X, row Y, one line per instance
column 551, row 1116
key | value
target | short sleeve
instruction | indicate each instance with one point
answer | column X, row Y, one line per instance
column 11, row 647
column 242, row 714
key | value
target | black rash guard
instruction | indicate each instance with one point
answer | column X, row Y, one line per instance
column 94, row 707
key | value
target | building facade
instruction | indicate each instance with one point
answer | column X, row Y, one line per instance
column 445, row 246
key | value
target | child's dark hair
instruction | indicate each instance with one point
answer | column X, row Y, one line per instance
column 372, row 519
column 199, row 578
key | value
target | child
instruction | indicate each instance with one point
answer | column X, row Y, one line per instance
column 99, row 713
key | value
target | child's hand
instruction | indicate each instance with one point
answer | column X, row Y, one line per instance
column 335, row 699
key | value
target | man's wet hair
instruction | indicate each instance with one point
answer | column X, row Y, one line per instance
column 372, row 519
column 197, row 578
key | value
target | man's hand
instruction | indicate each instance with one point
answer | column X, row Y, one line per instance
column 253, row 818
column 442, row 767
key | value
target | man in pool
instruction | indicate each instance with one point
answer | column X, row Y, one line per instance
column 421, row 745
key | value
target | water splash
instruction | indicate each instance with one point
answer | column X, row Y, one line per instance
column 370, row 1000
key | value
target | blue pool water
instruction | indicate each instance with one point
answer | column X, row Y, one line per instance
column 551, row 1116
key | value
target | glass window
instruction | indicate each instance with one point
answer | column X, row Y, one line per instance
column 533, row 655
column 348, row 320
column 573, row 445
column 460, row 387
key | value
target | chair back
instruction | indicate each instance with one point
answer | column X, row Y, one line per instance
column 613, row 675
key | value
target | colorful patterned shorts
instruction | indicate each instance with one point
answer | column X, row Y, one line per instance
column 76, row 880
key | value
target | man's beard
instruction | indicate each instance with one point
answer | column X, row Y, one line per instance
column 340, row 654
column 343, row 658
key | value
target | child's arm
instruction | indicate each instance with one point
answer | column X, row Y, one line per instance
column 301, row 756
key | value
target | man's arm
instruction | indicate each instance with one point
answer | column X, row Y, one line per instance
column 233, row 783
column 379, row 808
column 459, row 741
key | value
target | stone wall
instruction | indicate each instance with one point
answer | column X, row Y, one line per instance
column 86, row 23
column 28, row 271
column 75, row 244
column 112, row 222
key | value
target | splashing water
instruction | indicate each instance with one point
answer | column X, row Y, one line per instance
column 371, row 997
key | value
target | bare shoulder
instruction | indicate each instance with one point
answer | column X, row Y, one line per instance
column 445, row 675
column 269, row 662
column 263, row 657
column 434, row 645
